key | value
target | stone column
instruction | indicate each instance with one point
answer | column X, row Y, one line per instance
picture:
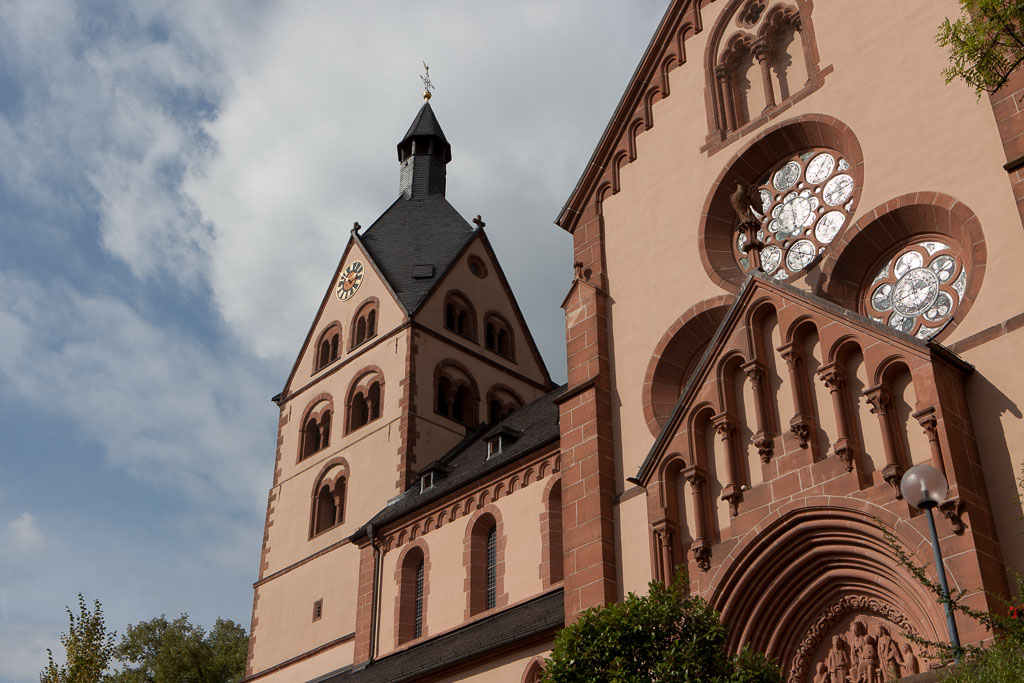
column 926, row 418
column 725, row 88
column 763, row 53
column 697, row 479
column 880, row 400
column 725, row 426
column 800, row 424
column 762, row 438
column 834, row 378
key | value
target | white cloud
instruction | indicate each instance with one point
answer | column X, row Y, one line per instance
column 25, row 535
column 164, row 407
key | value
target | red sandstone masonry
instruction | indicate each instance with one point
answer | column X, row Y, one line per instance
column 1008, row 110
column 364, row 605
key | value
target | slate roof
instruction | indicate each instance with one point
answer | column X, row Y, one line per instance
column 536, row 425
column 513, row 627
column 425, row 124
column 413, row 232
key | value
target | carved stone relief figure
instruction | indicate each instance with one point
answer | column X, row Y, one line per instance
column 856, row 645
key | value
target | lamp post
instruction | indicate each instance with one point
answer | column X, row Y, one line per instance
column 924, row 487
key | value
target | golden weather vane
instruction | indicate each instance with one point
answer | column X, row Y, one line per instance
column 428, row 85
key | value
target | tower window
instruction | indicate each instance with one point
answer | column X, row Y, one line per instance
column 364, row 400
column 364, row 326
column 329, row 500
column 327, row 347
column 498, row 336
column 318, row 609
column 316, row 430
column 456, row 395
column 459, row 316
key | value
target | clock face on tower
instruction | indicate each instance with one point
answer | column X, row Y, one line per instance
column 350, row 280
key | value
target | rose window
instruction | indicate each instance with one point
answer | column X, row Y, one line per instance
column 804, row 205
column 918, row 289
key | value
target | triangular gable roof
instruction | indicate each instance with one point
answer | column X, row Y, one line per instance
column 650, row 80
column 534, row 351
column 353, row 240
column 422, row 231
column 755, row 283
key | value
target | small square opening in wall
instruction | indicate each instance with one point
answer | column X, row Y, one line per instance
column 318, row 609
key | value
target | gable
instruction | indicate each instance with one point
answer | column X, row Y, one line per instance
column 335, row 313
column 738, row 346
column 491, row 299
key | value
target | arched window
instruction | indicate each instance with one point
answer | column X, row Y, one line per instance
column 364, row 326
column 459, row 316
column 456, row 393
column 329, row 498
column 498, row 336
column 316, row 428
column 327, row 347
column 753, row 70
column 364, row 404
column 551, row 535
column 410, row 621
column 485, row 561
column 501, row 402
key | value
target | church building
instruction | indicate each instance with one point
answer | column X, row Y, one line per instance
column 794, row 253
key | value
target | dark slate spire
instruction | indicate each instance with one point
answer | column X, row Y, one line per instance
column 423, row 154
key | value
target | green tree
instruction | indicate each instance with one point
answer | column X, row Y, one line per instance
column 665, row 636
column 162, row 651
column 986, row 43
column 87, row 644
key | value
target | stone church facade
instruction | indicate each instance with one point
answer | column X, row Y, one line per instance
column 795, row 257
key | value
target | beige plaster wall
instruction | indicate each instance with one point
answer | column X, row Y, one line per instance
column 446, row 600
column 389, row 316
column 994, row 392
column 313, row 667
column 917, row 134
column 285, row 610
column 509, row 668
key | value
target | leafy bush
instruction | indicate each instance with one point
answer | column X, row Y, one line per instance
column 666, row 636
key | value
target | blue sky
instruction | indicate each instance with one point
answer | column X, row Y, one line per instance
column 177, row 182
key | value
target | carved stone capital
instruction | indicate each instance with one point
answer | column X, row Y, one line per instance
column 929, row 422
column 792, row 354
column 833, row 377
column 845, row 450
column 696, row 477
column 701, row 549
column 765, row 443
column 733, row 495
column 724, row 425
column 762, row 50
column 755, row 371
column 722, row 73
column 664, row 530
column 893, row 475
column 800, row 426
column 880, row 400
column 953, row 509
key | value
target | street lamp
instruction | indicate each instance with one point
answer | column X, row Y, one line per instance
column 924, row 487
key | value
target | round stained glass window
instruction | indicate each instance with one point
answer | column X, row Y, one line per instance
column 805, row 203
column 917, row 290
